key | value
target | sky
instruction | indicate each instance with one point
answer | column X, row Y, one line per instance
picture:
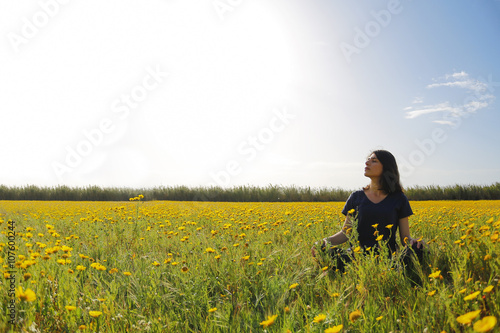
column 124, row 93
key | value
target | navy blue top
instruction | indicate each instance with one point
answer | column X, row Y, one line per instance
column 388, row 211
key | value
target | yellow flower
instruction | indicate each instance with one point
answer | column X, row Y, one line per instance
column 287, row 309
column 389, row 226
column 431, row 293
column 486, row 324
column 354, row 315
column 471, row 296
column 80, row 268
column 70, row 307
column 351, row 211
column 379, row 238
column 435, row 275
column 324, row 268
column 468, row 317
column 375, row 225
column 319, row 318
column 334, row 329
column 335, row 295
column 82, row 327
column 269, row 321
column 95, row 314
column 462, row 291
column 212, row 310
column 127, row 273
column 487, row 257
column 184, row 269
column 293, row 286
column 156, row 263
column 28, row 295
column 379, row 318
column 488, row 289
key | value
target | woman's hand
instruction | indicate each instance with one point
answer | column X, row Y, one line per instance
column 419, row 242
column 313, row 248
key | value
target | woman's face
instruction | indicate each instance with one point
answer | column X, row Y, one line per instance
column 373, row 167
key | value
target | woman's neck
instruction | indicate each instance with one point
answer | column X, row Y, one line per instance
column 375, row 187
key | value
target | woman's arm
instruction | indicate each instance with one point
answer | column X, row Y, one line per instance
column 336, row 239
column 404, row 233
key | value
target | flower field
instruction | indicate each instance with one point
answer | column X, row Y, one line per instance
column 165, row 266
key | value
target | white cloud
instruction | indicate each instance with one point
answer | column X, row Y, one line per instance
column 476, row 98
column 442, row 107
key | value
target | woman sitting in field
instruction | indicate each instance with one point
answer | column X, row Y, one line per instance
column 380, row 209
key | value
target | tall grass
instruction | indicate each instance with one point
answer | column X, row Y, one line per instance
column 226, row 267
column 271, row 193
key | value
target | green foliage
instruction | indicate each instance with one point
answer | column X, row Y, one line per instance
column 271, row 193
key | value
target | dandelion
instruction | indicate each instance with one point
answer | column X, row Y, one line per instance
column 293, row 286
column 471, row 296
column 319, row 318
column 486, row 324
column 488, row 289
column 353, row 316
column 334, row 329
column 435, row 275
column 95, row 314
column 352, row 211
column 27, row 296
column 269, row 321
column 212, row 310
column 468, row 317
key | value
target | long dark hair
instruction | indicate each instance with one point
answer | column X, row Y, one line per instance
column 389, row 181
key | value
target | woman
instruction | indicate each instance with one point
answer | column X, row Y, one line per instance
column 381, row 208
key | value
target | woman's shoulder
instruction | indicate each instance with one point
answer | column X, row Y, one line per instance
column 399, row 196
column 357, row 193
